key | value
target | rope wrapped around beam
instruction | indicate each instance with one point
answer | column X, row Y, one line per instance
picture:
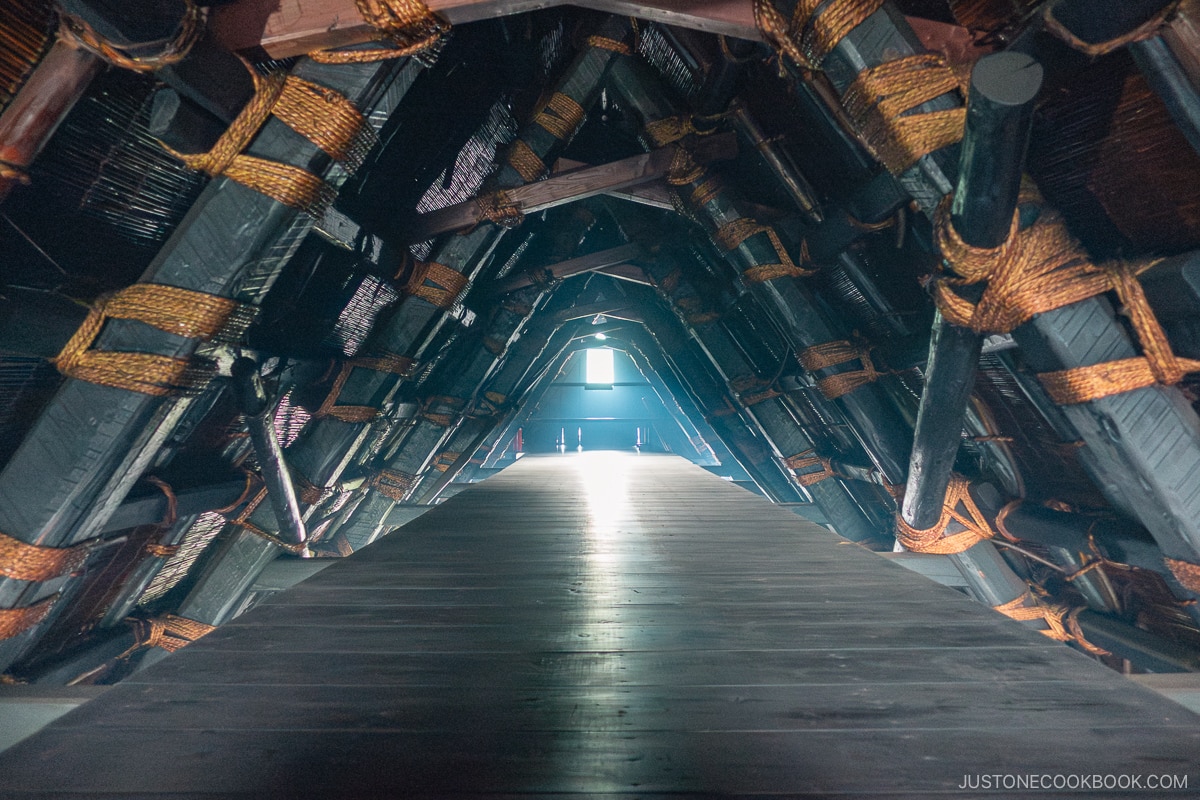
column 881, row 103
column 319, row 114
column 527, row 163
column 168, row 632
column 31, row 562
column 1147, row 30
column 445, row 460
column 442, row 419
column 392, row 484
column 14, row 621
column 752, row 390
column 959, row 507
column 1187, row 573
column 809, row 37
column 141, row 57
column 561, row 116
column 1043, row 268
column 388, row 362
column 344, row 413
column 808, row 459
column 612, row 45
column 242, row 521
column 409, row 27
column 732, row 234
column 695, row 310
column 181, row 312
column 490, row 404
column 670, row 130
column 1062, row 622
column 831, row 354
column 436, row 284
column 307, row 492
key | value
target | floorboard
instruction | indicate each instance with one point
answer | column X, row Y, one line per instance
column 610, row 626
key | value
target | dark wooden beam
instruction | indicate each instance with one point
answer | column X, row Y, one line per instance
column 627, row 272
column 567, row 187
column 44, row 101
column 284, row 28
column 656, row 194
column 591, row 262
column 260, row 422
column 999, row 112
column 605, row 308
column 152, row 509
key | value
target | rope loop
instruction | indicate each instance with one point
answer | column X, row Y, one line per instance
column 959, row 507
column 321, row 115
column 831, row 354
column 181, row 312
column 409, row 27
column 392, row 484
column 1147, row 30
column 141, row 57
column 436, row 284
column 882, row 100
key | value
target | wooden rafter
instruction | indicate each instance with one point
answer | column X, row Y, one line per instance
column 592, row 262
column 575, row 185
column 284, row 28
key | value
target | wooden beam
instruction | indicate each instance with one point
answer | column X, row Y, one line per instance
column 284, row 28
column 656, row 194
column 575, row 185
column 604, row 307
column 627, row 272
column 43, row 102
column 574, row 266
column 1004, row 87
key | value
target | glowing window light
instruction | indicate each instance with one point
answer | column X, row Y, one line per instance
column 600, row 366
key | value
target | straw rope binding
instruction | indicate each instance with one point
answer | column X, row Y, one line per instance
column 14, row 621
column 959, row 507
column 1043, row 268
column 140, row 57
column 30, row 562
column 831, row 354
column 408, row 27
column 321, row 115
column 182, row 312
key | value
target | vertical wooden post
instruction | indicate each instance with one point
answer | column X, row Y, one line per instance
column 999, row 112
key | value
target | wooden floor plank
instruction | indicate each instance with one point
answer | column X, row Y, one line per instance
column 606, row 626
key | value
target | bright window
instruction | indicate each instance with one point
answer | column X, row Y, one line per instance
column 600, row 366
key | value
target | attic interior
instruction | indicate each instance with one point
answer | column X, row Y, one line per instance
column 281, row 277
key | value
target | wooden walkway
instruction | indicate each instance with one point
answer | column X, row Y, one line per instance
column 609, row 625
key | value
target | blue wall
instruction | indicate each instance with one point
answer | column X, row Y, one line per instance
column 608, row 418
